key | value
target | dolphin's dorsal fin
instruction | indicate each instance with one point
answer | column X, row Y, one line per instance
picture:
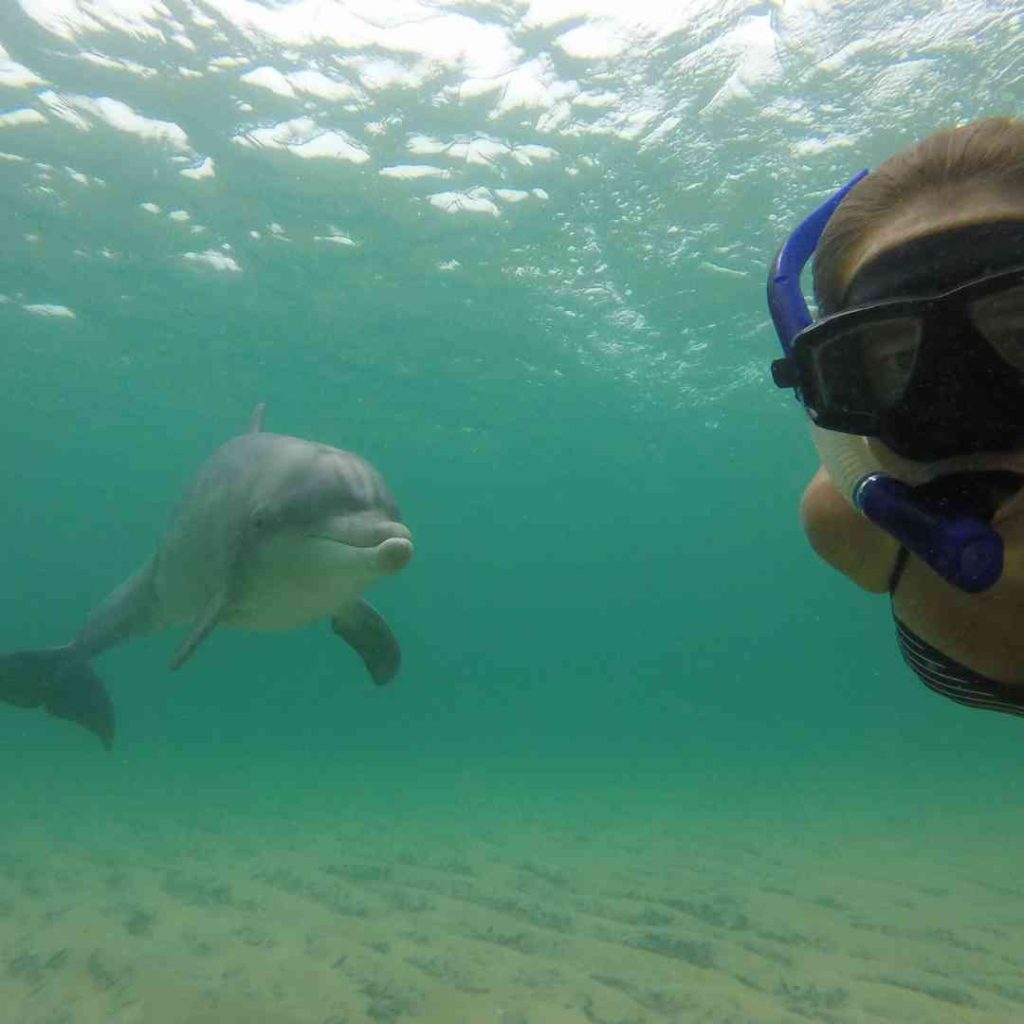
column 256, row 420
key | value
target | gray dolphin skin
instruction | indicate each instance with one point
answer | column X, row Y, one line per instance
column 274, row 532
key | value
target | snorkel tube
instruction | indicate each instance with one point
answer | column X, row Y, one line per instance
column 960, row 546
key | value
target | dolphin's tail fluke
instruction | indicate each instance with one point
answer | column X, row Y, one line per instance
column 60, row 681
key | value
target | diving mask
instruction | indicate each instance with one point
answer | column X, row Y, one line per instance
column 931, row 366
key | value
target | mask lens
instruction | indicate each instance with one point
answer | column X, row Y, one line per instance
column 865, row 368
column 888, row 352
column 1000, row 318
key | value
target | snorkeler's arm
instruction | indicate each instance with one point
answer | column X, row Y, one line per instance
column 844, row 538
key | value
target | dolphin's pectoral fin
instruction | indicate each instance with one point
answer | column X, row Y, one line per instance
column 363, row 628
column 256, row 420
column 202, row 626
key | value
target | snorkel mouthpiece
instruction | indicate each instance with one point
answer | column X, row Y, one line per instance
column 960, row 546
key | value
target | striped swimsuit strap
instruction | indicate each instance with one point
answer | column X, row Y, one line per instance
column 941, row 673
column 957, row 682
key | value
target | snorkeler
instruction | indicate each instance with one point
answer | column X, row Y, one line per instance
column 913, row 378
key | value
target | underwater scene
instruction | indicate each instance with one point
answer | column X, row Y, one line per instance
column 609, row 744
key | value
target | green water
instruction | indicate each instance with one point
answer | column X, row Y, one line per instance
column 552, row 343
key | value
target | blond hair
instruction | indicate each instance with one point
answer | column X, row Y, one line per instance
column 989, row 153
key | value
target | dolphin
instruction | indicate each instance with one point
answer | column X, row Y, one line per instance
column 273, row 533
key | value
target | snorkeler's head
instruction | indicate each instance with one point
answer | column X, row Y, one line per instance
column 957, row 177
column 946, row 367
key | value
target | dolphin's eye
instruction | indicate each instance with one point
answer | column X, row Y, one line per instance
column 258, row 519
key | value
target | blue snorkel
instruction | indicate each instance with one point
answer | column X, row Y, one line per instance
column 961, row 547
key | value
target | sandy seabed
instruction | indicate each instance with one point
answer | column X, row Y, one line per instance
column 510, row 917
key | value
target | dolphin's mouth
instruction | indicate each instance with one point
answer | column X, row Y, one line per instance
column 387, row 545
column 355, row 533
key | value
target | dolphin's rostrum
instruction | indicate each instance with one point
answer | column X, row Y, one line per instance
column 273, row 533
